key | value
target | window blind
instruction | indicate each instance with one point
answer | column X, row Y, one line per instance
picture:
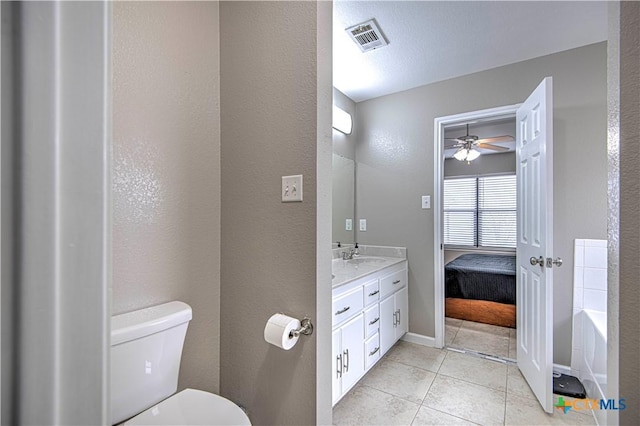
column 480, row 212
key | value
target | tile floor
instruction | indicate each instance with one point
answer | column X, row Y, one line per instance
column 485, row 338
column 418, row 385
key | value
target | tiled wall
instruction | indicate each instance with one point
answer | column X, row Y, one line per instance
column 589, row 289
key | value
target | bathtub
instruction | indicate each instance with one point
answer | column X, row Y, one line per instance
column 593, row 371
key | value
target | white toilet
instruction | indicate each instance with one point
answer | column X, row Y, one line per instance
column 146, row 347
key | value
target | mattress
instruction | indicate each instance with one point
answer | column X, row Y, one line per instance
column 482, row 277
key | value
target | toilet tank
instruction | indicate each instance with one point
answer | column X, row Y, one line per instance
column 146, row 347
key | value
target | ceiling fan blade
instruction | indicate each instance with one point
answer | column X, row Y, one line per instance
column 454, row 139
column 455, row 145
column 504, row 138
column 492, row 147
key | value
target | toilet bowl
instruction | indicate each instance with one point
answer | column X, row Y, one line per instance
column 146, row 348
column 192, row 407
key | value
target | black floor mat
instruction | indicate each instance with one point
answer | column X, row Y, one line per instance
column 568, row 386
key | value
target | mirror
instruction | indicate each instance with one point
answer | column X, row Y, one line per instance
column 343, row 172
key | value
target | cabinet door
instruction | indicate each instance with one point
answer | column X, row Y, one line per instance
column 336, row 371
column 387, row 324
column 402, row 309
column 352, row 352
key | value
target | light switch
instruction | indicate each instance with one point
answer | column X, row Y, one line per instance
column 291, row 188
column 363, row 224
column 348, row 225
column 426, row 201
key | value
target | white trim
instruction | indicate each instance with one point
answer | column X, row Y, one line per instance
column 440, row 123
column 419, row 339
column 564, row 369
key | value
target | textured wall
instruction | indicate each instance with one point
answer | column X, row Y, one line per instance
column 268, row 129
column 166, row 170
column 629, row 208
column 395, row 166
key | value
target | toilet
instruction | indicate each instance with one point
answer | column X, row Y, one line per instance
column 146, row 347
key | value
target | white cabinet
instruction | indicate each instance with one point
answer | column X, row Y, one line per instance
column 348, row 355
column 394, row 318
column 370, row 314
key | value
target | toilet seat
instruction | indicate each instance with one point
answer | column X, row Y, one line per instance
column 192, row 407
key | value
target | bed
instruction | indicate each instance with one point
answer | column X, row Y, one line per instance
column 482, row 288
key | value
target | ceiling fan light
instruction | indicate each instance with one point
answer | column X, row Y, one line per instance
column 460, row 154
column 473, row 154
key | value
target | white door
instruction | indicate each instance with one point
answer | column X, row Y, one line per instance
column 534, row 282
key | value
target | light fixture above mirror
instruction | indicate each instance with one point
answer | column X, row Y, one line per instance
column 342, row 120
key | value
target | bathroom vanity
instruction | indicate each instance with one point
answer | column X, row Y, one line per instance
column 370, row 313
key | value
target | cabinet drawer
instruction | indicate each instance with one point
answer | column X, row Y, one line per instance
column 347, row 305
column 371, row 320
column 372, row 350
column 371, row 292
column 392, row 283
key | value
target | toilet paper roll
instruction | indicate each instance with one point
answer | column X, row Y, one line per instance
column 278, row 329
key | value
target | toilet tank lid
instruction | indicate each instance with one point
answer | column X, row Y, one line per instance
column 144, row 322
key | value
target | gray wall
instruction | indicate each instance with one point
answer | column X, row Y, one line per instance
column 395, row 166
column 166, row 170
column 269, row 128
column 7, row 216
column 629, row 207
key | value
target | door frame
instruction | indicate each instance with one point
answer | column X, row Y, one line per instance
column 440, row 123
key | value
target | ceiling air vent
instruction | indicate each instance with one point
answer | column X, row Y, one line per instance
column 367, row 35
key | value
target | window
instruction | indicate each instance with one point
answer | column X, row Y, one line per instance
column 480, row 211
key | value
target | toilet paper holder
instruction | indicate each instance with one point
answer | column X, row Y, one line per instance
column 306, row 328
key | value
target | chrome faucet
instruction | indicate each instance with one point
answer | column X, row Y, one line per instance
column 348, row 255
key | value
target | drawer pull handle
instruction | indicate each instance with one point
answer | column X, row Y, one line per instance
column 374, row 321
column 396, row 282
column 373, row 352
column 343, row 310
column 346, row 360
column 374, row 293
column 339, row 366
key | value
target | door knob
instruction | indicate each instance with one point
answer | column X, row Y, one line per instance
column 551, row 262
column 537, row 261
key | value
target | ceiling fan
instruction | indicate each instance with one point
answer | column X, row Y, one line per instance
column 467, row 145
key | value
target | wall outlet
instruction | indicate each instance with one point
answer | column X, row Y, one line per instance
column 426, row 201
column 363, row 224
column 348, row 225
column 291, row 188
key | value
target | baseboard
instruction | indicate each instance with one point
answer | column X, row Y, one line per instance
column 419, row 339
column 564, row 369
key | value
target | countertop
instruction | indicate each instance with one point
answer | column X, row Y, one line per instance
column 345, row 271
